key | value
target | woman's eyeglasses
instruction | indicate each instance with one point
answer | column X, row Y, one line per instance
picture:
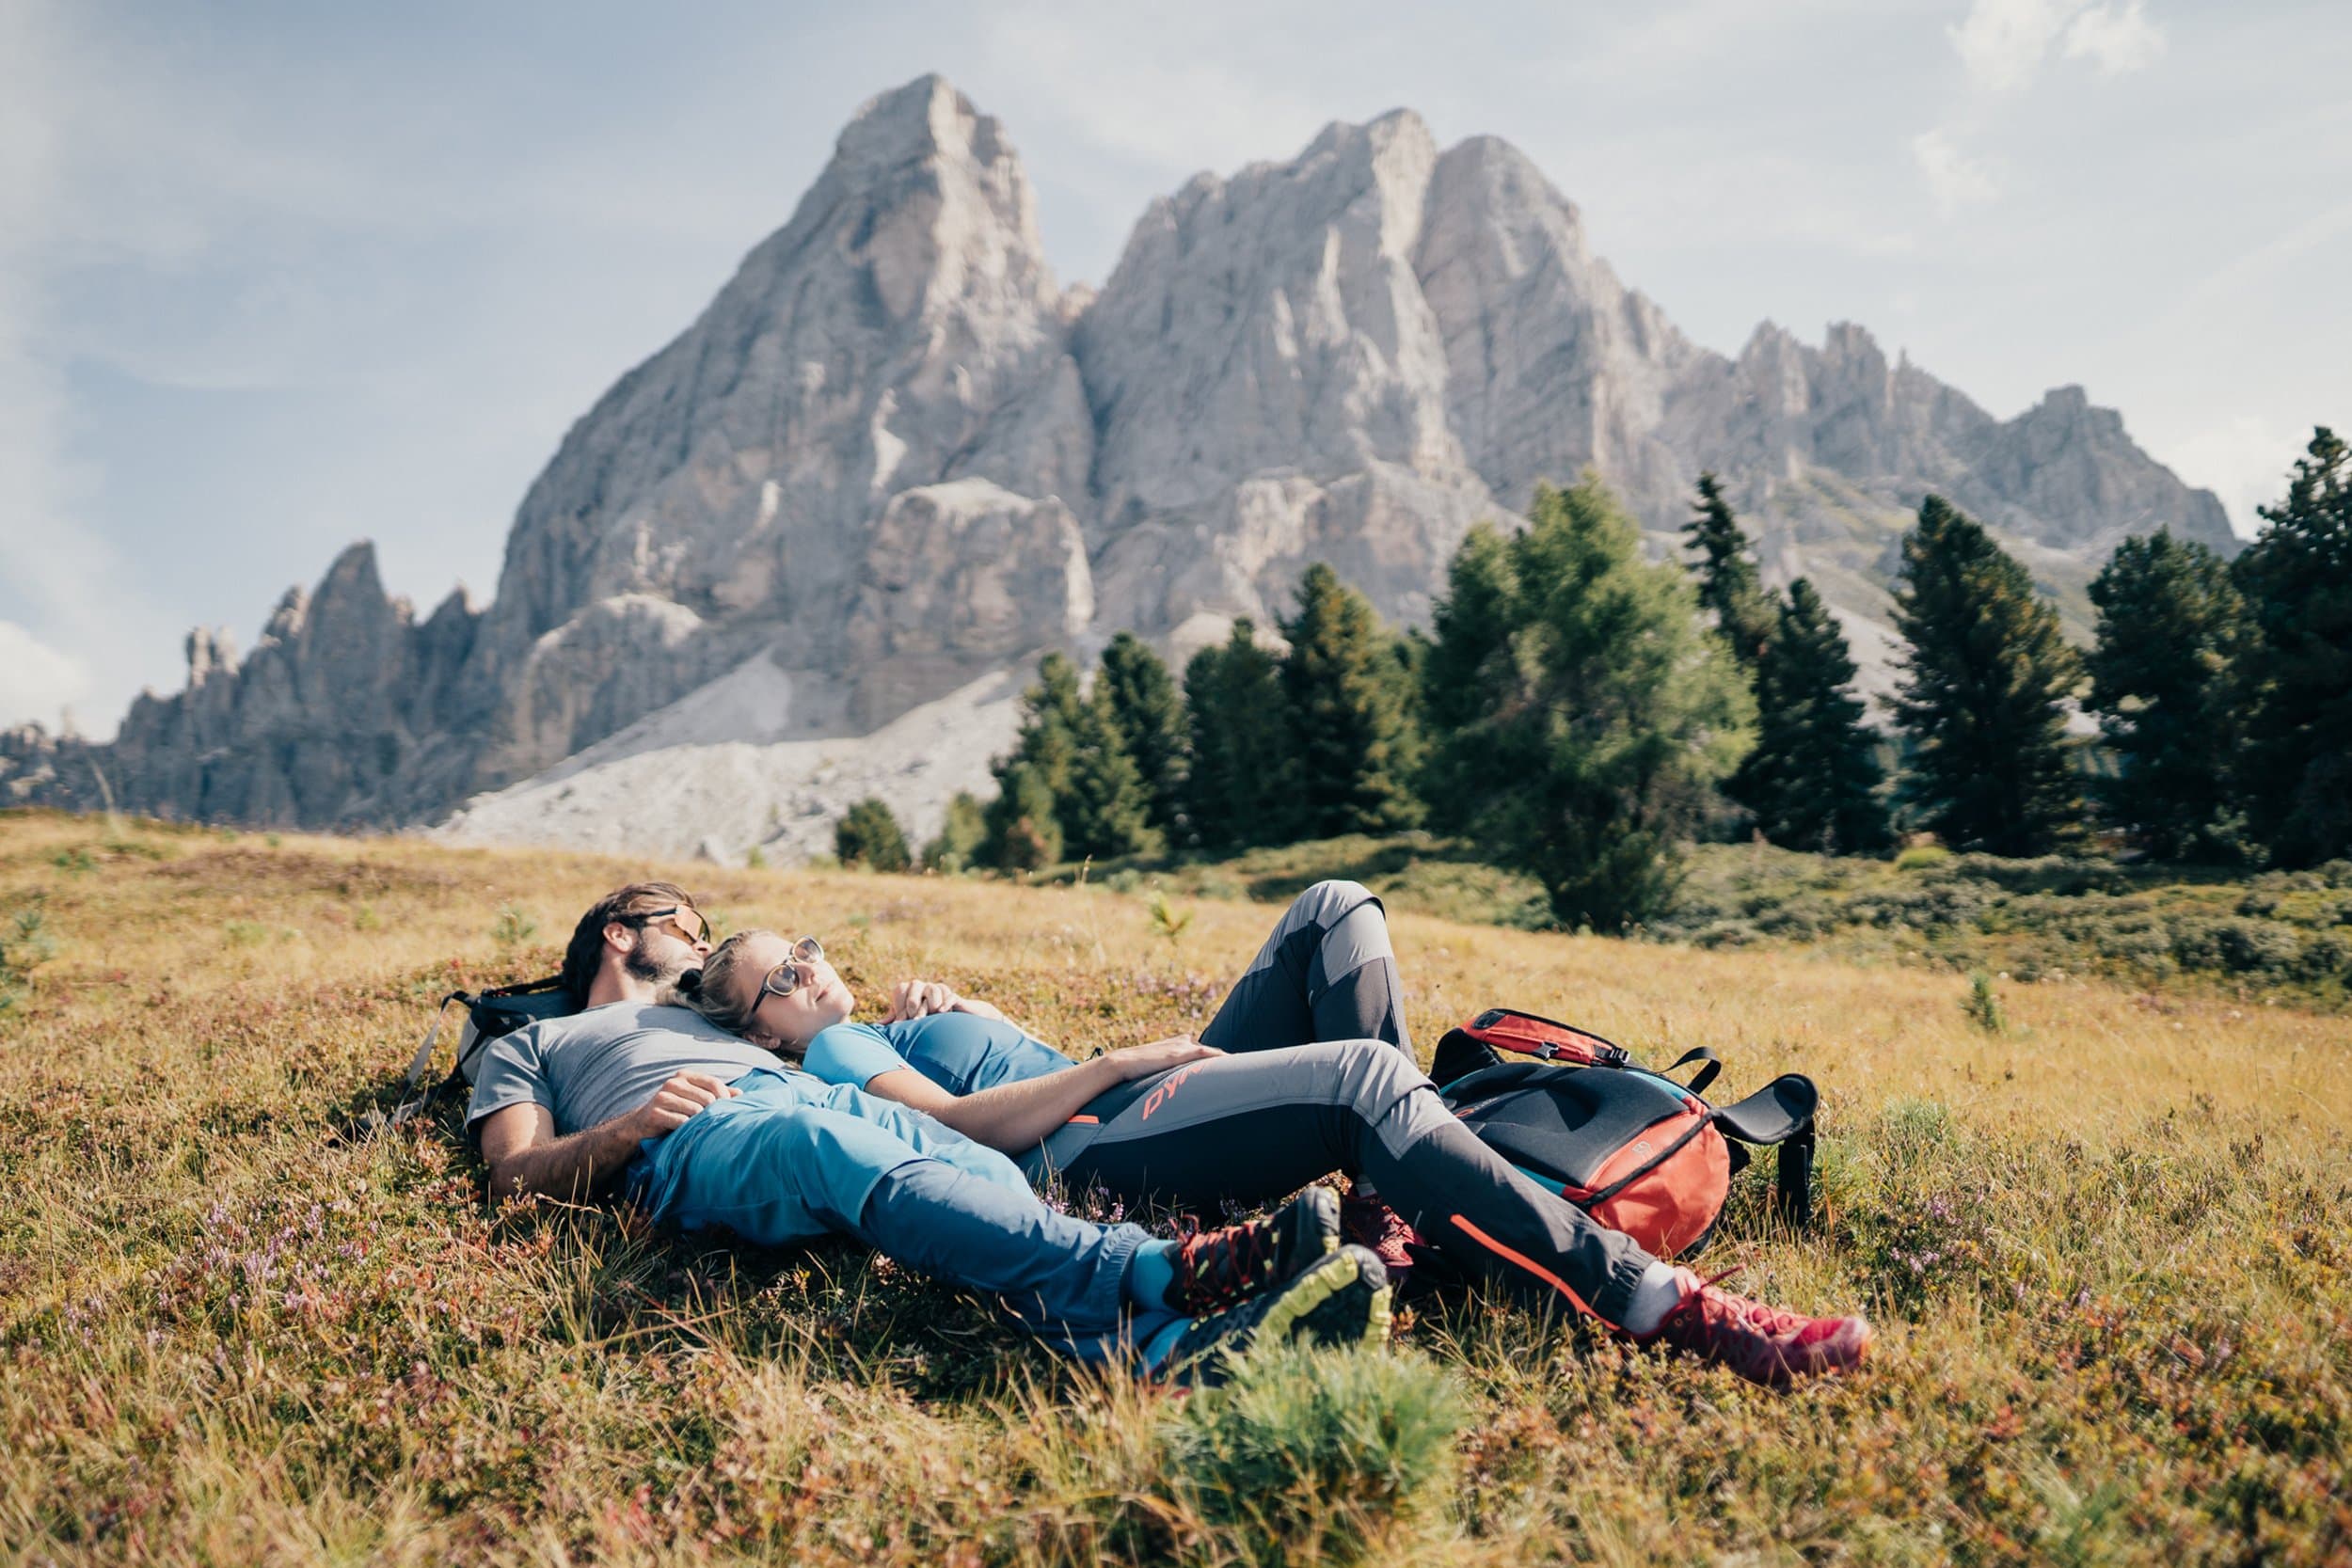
column 794, row 973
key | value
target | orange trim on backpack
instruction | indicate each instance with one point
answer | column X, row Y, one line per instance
column 1529, row 1265
column 1088, row 1122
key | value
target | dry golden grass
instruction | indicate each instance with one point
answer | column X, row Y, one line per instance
column 2107, row 1250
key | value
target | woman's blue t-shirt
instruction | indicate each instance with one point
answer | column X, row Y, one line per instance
column 961, row 1053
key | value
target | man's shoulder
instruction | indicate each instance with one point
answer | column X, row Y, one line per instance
column 623, row 1017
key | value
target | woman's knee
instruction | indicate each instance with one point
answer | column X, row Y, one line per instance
column 1328, row 901
column 1371, row 1076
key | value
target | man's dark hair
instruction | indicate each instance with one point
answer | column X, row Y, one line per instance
column 628, row 906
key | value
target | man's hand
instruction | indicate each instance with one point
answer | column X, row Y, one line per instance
column 1141, row 1061
column 678, row 1100
column 920, row 998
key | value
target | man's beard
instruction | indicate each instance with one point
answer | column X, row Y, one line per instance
column 642, row 965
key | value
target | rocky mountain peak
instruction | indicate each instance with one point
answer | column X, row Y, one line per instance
column 893, row 461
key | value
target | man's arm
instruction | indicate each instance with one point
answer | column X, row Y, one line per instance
column 520, row 1145
column 1015, row 1118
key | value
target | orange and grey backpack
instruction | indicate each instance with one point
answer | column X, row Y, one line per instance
column 1640, row 1152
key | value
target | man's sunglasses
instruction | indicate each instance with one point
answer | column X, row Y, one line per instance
column 686, row 921
column 794, row 973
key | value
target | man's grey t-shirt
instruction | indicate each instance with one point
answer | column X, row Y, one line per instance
column 592, row 1067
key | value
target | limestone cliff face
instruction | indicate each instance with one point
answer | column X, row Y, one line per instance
column 894, row 456
column 337, row 709
column 902, row 330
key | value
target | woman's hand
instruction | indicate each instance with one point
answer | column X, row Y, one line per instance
column 1141, row 1061
column 919, row 999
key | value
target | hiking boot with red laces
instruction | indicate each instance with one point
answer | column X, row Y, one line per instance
column 1763, row 1344
column 1368, row 1223
column 1217, row 1268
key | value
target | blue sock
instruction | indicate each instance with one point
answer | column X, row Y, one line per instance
column 1149, row 1272
column 1153, row 1355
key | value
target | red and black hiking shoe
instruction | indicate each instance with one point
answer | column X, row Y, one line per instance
column 1366, row 1222
column 1763, row 1344
column 1217, row 1268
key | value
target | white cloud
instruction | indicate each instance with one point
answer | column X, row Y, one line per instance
column 2004, row 42
column 37, row 681
column 1178, row 107
column 2245, row 461
column 1954, row 179
column 2119, row 38
column 61, row 576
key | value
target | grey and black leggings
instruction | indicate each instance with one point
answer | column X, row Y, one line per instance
column 1321, row 1077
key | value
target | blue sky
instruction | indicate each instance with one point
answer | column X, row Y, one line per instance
column 273, row 277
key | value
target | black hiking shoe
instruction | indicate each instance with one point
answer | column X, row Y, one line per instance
column 1217, row 1268
column 1339, row 1299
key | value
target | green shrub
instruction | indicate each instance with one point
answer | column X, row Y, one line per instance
column 1983, row 1007
column 869, row 834
column 1933, row 905
column 1726, row 933
column 1166, row 921
column 2233, row 944
column 958, row 845
column 1919, row 857
column 2326, row 955
column 514, row 925
column 1329, row 1454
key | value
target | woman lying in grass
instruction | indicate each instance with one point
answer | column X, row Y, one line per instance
column 1306, row 1069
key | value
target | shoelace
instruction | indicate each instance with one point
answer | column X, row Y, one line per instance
column 1232, row 1262
column 1697, row 1301
column 1762, row 1316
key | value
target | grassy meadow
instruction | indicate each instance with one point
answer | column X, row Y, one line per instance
column 2103, row 1229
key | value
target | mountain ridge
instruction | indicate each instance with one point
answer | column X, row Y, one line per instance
column 895, row 455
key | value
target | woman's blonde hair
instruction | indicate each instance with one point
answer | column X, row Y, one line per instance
column 712, row 991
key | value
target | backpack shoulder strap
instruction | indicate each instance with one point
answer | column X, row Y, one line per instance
column 1710, row 1065
column 1781, row 1113
column 1774, row 1114
column 423, row 1059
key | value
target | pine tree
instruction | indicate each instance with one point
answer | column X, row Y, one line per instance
column 1041, row 753
column 1151, row 717
column 960, row 834
column 1352, row 747
column 2296, row 577
column 1105, row 811
column 869, row 834
column 2170, row 622
column 1023, row 832
column 1729, row 584
column 1813, row 778
column 1240, row 739
column 1983, row 691
column 1597, row 733
column 1468, row 662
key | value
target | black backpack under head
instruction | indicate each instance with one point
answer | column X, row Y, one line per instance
column 500, row 1010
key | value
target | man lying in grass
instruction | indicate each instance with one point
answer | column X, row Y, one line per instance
column 698, row 1127
column 1306, row 1070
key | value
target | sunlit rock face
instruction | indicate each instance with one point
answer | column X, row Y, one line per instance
column 895, row 459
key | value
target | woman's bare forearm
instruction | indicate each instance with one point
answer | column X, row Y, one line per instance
column 1013, row 1118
